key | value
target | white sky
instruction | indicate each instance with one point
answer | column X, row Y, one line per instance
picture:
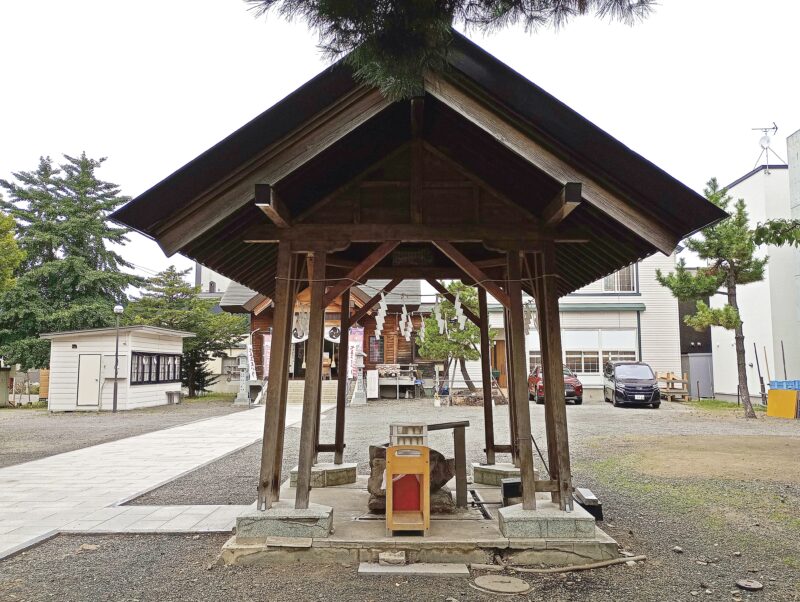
column 151, row 84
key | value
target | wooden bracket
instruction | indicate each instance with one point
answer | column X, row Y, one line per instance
column 371, row 303
column 557, row 210
column 473, row 271
column 270, row 203
column 358, row 272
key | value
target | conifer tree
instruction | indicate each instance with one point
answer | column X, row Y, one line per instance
column 169, row 301
column 11, row 255
column 729, row 250
column 70, row 278
column 392, row 43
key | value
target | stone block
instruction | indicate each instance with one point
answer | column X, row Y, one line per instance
column 283, row 520
column 392, row 558
column 328, row 475
column 547, row 521
column 426, row 569
column 493, row 474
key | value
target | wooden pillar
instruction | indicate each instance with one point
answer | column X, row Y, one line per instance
column 313, row 378
column 486, row 375
column 274, row 414
column 341, row 385
column 284, row 392
column 522, row 407
column 512, row 412
column 459, row 449
column 553, row 368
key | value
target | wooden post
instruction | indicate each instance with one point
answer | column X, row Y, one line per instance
column 270, row 453
column 522, row 407
column 313, row 379
column 486, row 375
column 341, row 385
column 512, row 412
column 459, row 448
column 553, row 368
column 284, row 393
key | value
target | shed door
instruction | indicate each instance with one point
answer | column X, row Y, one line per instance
column 89, row 379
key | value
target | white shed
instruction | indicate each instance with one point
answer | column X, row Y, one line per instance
column 82, row 367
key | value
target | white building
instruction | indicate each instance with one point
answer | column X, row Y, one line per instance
column 770, row 309
column 82, row 367
column 626, row 316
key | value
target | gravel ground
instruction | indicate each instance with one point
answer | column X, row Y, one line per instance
column 728, row 529
column 30, row 434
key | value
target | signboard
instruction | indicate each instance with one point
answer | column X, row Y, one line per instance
column 356, row 343
column 266, row 353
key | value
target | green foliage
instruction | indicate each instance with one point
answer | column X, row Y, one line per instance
column 169, row 301
column 453, row 343
column 69, row 278
column 391, row 44
column 11, row 255
column 778, row 232
column 726, row 316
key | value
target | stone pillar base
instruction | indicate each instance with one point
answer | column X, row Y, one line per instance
column 492, row 474
column 327, row 475
column 547, row 521
column 283, row 520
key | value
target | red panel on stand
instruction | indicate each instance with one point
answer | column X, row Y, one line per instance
column 406, row 493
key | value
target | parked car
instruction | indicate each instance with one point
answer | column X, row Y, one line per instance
column 630, row 383
column 573, row 389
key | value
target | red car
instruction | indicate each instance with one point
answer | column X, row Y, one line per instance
column 573, row 389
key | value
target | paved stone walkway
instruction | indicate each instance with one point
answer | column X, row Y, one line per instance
column 81, row 491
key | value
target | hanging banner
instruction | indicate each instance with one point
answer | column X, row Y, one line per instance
column 355, row 343
column 266, row 354
column 332, row 334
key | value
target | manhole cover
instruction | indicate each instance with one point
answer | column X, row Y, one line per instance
column 501, row 584
column 750, row 585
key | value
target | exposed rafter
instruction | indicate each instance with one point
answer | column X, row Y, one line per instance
column 567, row 199
column 473, row 271
column 270, row 203
column 359, row 271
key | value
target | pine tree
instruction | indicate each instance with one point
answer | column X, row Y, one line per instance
column 454, row 345
column 392, row 43
column 169, row 301
column 729, row 249
column 69, row 279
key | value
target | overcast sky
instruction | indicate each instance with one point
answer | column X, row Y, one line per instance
column 153, row 83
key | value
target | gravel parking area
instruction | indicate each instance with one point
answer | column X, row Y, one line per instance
column 30, row 434
column 729, row 527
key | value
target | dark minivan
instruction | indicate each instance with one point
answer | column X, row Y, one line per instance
column 630, row 383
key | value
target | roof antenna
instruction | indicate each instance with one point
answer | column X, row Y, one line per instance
column 765, row 143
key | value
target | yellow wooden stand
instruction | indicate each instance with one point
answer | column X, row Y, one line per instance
column 408, row 460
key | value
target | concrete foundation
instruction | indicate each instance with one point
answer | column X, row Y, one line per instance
column 547, row 521
column 327, row 475
column 463, row 537
column 283, row 520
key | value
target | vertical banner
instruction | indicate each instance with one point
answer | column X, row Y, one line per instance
column 266, row 354
column 355, row 343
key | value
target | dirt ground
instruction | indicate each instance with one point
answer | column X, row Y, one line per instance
column 723, row 489
column 30, row 434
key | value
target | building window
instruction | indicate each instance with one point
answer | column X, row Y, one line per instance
column 618, row 356
column 212, row 287
column 583, row 362
column 623, row 281
column 375, row 350
column 150, row 368
column 534, row 359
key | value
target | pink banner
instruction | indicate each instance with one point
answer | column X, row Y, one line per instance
column 355, row 343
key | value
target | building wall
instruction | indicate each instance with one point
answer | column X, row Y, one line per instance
column 142, row 396
column 792, row 343
column 660, row 332
column 767, row 308
column 63, row 393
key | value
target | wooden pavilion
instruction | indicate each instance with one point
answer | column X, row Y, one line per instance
column 486, row 178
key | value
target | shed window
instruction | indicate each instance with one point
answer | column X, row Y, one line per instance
column 149, row 368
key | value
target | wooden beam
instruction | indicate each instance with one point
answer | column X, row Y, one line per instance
column 341, row 384
column 486, row 376
column 417, row 159
column 594, row 192
column 344, row 234
column 371, row 303
column 270, row 203
column 277, row 362
column 313, row 381
column 278, row 160
column 497, row 262
column 440, row 288
column 520, row 393
column 357, row 273
column 472, row 271
column 568, row 198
